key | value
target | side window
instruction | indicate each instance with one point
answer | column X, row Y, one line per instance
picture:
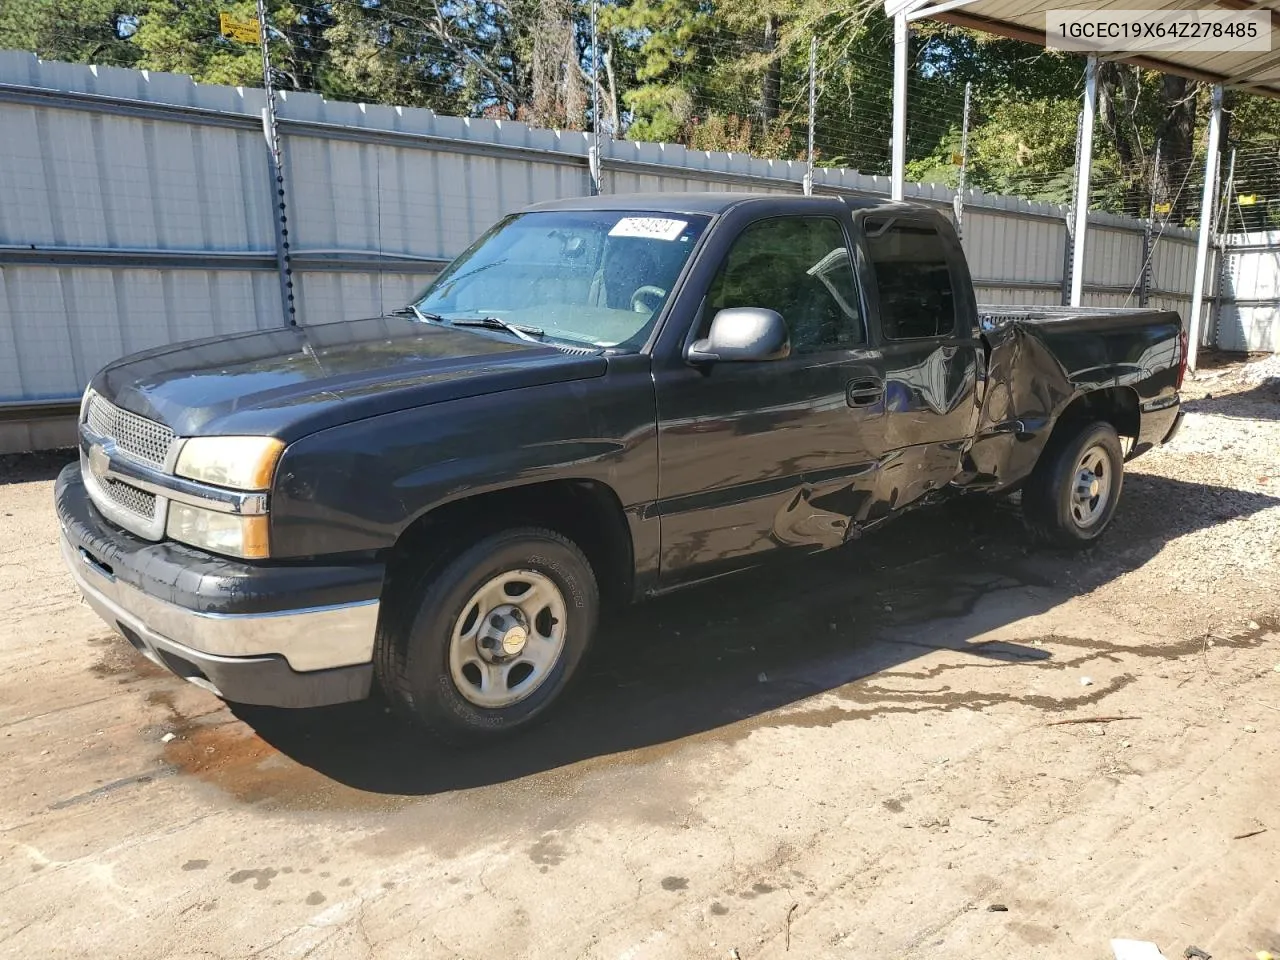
column 910, row 264
column 800, row 267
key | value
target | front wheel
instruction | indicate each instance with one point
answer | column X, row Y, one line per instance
column 1072, row 493
column 485, row 644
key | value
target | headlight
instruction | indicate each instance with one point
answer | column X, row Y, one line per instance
column 242, row 463
column 226, row 533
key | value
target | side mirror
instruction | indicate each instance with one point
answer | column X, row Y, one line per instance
column 742, row 333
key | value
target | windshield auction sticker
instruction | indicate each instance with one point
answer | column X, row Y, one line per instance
column 651, row 228
column 1168, row 31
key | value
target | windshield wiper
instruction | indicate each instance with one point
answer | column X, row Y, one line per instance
column 480, row 269
column 412, row 311
column 531, row 334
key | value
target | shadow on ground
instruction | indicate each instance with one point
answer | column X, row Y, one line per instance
column 33, row 467
column 693, row 662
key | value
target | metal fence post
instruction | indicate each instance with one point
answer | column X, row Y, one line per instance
column 1069, row 222
column 1223, row 273
column 813, row 105
column 272, row 133
column 1084, row 171
column 898, row 141
column 593, row 155
column 1207, row 208
column 1148, row 251
column 1222, row 217
column 964, row 162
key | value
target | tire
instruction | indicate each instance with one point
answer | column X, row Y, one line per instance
column 1056, row 509
column 463, row 690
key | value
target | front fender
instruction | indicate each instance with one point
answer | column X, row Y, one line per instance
column 357, row 487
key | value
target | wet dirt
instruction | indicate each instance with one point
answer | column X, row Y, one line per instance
column 273, row 757
column 819, row 642
column 261, row 878
column 854, row 754
column 229, row 756
column 122, row 664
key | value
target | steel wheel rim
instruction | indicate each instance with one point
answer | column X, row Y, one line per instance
column 1092, row 484
column 508, row 638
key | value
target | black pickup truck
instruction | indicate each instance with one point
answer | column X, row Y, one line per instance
column 601, row 400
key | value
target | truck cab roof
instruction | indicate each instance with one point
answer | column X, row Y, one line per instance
column 713, row 203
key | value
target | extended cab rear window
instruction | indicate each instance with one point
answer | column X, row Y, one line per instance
column 913, row 279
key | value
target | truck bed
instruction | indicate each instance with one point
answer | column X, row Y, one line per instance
column 994, row 316
column 997, row 314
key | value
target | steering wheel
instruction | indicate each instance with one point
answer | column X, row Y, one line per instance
column 648, row 290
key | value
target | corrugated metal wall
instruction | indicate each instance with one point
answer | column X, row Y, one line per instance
column 1249, row 311
column 1173, row 268
column 1015, row 258
column 136, row 209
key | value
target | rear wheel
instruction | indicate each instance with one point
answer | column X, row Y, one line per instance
column 1072, row 494
column 485, row 643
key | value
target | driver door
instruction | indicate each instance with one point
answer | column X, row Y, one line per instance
column 761, row 455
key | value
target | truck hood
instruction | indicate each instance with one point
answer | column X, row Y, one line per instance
column 293, row 381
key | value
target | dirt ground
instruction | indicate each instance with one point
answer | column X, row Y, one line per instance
column 936, row 743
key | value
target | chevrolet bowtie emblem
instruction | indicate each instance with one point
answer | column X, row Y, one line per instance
column 99, row 461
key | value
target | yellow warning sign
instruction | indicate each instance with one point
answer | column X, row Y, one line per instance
column 231, row 26
column 1163, row 207
column 1247, row 199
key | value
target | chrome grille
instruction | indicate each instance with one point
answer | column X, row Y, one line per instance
column 131, row 498
column 136, row 436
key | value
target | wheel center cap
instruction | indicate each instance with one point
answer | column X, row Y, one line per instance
column 513, row 640
column 1093, row 487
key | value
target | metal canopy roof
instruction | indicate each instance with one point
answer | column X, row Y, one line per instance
column 1254, row 71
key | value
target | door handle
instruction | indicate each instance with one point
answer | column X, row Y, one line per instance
column 865, row 392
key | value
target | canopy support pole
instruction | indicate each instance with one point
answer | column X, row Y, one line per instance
column 1084, row 170
column 901, row 43
column 1206, row 215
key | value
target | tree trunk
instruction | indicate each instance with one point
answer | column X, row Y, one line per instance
column 771, row 86
column 1177, row 130
column 558, row 97
column 1117, row 98
column 615, row 129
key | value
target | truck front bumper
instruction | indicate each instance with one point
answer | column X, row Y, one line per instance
column 296, row 635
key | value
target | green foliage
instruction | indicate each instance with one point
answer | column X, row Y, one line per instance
column 667, row 34
column 939, row 165
column 467, row 58
column 183, row 36
column 80, row 31
column 1024, row 147
column 1254, row 119
column 711, row 74
column 661, row 112
column 734, row 134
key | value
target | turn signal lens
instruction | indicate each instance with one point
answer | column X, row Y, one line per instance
column 225, row 533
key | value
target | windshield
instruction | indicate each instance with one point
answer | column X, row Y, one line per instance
column 590, row 276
